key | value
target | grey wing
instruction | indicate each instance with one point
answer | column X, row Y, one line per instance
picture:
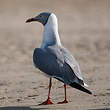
column 70, row 60
column 45, row 61
column 51, row 62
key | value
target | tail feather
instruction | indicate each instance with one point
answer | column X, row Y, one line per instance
column 85, row 85
column 77, row 86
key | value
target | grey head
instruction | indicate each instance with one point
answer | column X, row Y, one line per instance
column 42, row 18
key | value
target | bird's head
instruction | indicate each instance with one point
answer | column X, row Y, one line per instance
column 42, row 18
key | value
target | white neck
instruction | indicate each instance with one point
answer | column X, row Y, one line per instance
column 50, row 34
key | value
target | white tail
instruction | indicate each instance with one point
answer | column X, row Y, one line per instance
column 85, row 85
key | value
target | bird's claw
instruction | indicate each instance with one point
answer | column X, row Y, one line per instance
column 65, row 101
column 47, row 102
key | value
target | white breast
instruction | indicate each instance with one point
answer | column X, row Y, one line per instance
column 50, row 34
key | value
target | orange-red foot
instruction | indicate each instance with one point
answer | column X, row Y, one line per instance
column 47, row 102
column 65, row 101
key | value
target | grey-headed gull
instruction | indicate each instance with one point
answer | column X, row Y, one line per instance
column 55, row 60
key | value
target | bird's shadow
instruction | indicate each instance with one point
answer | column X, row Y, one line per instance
column 100, row 109
column 21, row 108
column 38, row 108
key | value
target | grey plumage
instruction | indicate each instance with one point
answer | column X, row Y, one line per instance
column 43, row 17
column 56, row 62
column 53, row 59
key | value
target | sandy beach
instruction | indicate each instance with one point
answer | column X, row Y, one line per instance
column 84, row 28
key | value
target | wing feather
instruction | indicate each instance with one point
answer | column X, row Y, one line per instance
column 70, row 60
column 59, row 63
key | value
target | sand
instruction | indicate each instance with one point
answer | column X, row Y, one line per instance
column 84, row 28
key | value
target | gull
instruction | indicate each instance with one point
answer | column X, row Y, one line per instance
column 53, row 59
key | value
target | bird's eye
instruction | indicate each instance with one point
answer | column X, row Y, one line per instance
column 40, row 16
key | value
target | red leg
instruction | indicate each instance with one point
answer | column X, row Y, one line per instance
column 48, row 101
column 65, row 101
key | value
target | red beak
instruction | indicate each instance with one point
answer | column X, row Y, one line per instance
column 30, row 20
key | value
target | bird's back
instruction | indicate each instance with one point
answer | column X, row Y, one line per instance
column 56, row 61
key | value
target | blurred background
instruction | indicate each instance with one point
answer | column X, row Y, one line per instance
column 84, row 28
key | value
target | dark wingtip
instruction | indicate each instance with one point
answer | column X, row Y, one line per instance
column 79, row 87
